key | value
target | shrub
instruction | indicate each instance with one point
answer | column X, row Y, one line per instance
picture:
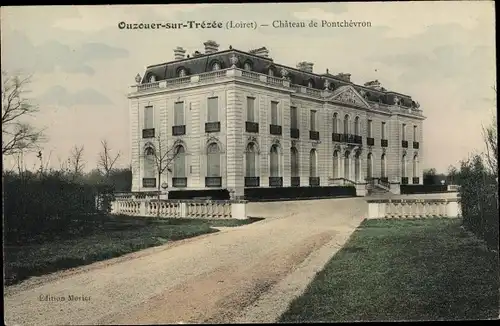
column 479, row 199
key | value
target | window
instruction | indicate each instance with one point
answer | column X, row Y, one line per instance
column 310, row 84
column 274, row 162
column 213, row 160
column 356, row 126
column 336, row 165
column 148, row 117
column 403, row 166
column 213, row 109
column 294, row 157
column 369, row 166
column 152, row 79
column 247, row 66
column 415, row 133
column 149, row 162
column 357, row 167
column 180, row 162
column 216, row 66
column 313, row 120
column 382, row 167
column 271, row 72
column 250, row 158
column 251, row 109
column 182, row 73
column 293, row 118
column 312, row 163
column 403, row 131
column 415, row 166
column 274, row 113
column 346, row 124
column 335, row 123
column 369, row 128
column 346, row 165
column 383, row 130
column 179, row 114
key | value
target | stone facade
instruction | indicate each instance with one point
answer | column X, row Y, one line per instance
column 232, row 86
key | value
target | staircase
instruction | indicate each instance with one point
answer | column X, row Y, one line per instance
column 377, row 187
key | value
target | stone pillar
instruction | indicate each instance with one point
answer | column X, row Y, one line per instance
column 183, row 208
column 238, row 210
column 142, row 208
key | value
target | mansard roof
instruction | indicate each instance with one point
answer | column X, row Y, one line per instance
column 203, row 63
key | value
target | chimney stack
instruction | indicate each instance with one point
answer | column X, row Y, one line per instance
column 305, row 66
column 374, row 84
column 211, row 47
column 261, row 52
column 344, row 77
column 179, row 53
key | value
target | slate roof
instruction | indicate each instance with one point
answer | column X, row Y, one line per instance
column 203, row 63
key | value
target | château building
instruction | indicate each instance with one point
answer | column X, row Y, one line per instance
column 238, row 119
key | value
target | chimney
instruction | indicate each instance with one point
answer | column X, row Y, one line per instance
column 211, row 47
column 344, row 77
column 262, row 52
column 374, row 84
column 179, row 53
column 305, row 66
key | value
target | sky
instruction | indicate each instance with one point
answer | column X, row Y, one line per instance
column 82, row 65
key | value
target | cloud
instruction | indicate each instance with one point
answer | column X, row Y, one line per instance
column 19, row 53
column 60, row 96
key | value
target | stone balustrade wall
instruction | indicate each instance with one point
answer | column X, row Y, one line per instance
column 203, row 209
column 413, row 208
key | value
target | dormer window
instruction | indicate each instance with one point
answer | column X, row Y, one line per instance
column 152, row 79
column 310, row 84
column 247, row 66
column 182, row 73
column 216, row 66
column 271, row 72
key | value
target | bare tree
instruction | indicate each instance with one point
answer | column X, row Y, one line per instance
column 76, row 162
column 106, row 160
column 162, row 156
column 17, row 135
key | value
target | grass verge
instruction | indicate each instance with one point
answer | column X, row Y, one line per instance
column 404, row 270
column 107, row 238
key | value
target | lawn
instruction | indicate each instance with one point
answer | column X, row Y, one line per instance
column 404, row 270
column 103, row 239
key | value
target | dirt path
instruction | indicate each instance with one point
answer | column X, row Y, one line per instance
column 213, row 278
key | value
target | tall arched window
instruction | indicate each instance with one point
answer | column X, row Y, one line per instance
column 357, row 167
column 213, row 160
column 294, row 158
column 335, row 123
column 346, row 124
column 247, row 66
column 216, row 66
column 251, row 159
column 403, row 166
column 383, row 172
column 149, row 162
column 415, row 166
column 180, row 162
column 274, row 161
column 336, row 164
column 369, row 166
column 356, row 126
column 312, row 164
column 347, row 163
column 182, row 72
column 270, row 72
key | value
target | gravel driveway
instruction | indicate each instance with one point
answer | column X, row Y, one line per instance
column 213, row 278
